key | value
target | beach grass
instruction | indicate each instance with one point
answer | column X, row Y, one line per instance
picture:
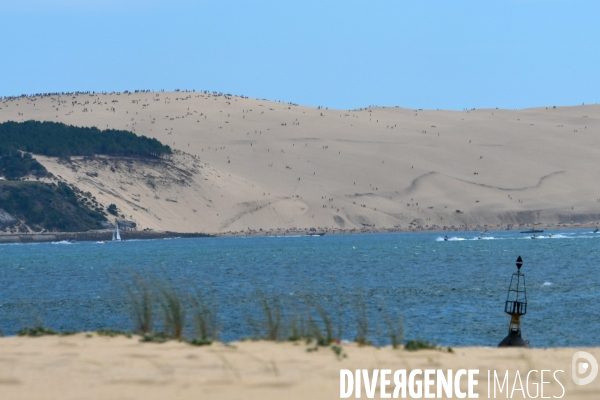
column 297, row 329
column 173, row 310
column 321, row 331
column 271, row 308
column 205, row 319
column 158, row 337
column 362, row 321
column 419, row 344
column 395, row 328
column 37, row 331
column 302, row 318
column 113, row 333
column 141, row 300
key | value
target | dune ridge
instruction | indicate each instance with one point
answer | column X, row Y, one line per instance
column 244, row 163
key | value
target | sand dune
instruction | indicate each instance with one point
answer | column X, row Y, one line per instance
column 246, row 163
column 75, row 367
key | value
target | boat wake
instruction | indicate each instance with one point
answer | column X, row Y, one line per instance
column 452, row 239
column 518, row 237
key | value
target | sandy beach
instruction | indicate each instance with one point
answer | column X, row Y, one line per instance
column 87, row 366
column 244, row 163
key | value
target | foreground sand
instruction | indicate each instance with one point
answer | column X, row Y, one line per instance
column 245, row 163
column 81, row 367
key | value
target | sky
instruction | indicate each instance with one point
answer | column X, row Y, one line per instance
column 338, row 54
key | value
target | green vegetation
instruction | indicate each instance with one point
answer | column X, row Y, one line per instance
column 205, row 319
column 142, row 296
column 324, row 337
column 272, row 313
column 113, row 333
column 112, row 208
column 148, row 295
column 199, row 342
column 15, row 164
column 37, row 331
column 50, row 206
column 141, row 300
column 338, row 351
column 419, row 344
column 59, row 140
column 155, row 338
column 173, row 311
column 395, row 330
column 362, row 322
column 297, row 327
column 60, row 208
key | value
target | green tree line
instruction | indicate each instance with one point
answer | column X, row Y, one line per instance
column 15, row 164
column 55, row 139
column 54, row 207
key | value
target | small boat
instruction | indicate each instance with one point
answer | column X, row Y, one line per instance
column 479, row 237
column 116, row 234
column 596, row 230
column 317, row 234
column 533, row 231
column 446, row 238
column 549, row 235
column 533, row 236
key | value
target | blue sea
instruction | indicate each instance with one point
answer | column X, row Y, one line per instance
column 447, row 292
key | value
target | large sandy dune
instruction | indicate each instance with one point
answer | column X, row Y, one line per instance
column 246, row 163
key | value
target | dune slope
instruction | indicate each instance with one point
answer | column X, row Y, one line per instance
column 245, row 163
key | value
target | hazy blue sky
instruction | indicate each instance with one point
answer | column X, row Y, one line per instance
column 448, row 54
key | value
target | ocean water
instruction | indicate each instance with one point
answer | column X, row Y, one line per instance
column 448, row 292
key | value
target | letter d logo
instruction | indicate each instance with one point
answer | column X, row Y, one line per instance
column 582, row 367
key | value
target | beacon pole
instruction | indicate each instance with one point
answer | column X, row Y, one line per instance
column 516, row 306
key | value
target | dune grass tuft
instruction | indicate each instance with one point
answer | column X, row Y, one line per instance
column 141, row 299
column 205, row 319
column 155, row 338
column 199, row 342
column 338, row 351
column 173, row 310
column 419, row 344
column 321, row 331
column 113, row 333
column 362, row 322
column 395, row 330
column 271, row 308
column 37, row 331
column 297, row 329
